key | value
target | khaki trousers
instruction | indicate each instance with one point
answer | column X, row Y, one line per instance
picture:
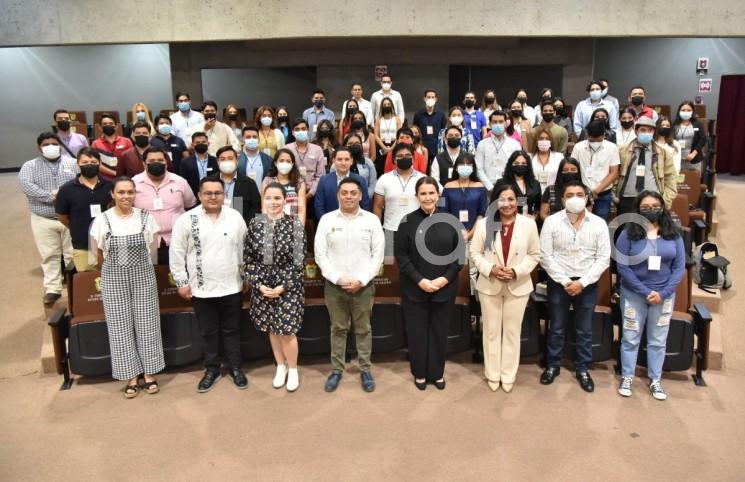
column 83, row 261
column 502, row 319
column 53, row 241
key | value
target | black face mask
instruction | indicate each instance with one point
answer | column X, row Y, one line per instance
column 665, row 131
column 520, row 170
column 490, row 99
column 156, row 169
column 323, row 134
column 386, row 110
column 232, row 117
column 209, row 117
column 356, row 150
column 417, row 139
column 89, row 171
column 559, row 111
column 548, row 118
column 637, row 100
column 63, row 125
column 201, row 148
column 358, row 124
column 453, row 142
column 282, row 118
column 405, row 163
column 109, row 130
column 570, row 176
column 142, row 141
column 469, row 103
column 627, row 124
column 516, row 112
column 352, row 111
column 652, row 215
column 522, row 100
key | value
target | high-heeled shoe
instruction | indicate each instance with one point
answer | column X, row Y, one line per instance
column 493, row 385
column 507, row 387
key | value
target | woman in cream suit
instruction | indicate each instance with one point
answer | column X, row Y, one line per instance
column 504, row 257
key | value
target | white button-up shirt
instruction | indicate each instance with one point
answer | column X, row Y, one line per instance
column 567, row 252
column 349, row 246
column 394, row 95
column 595, row 164
column 207, row 254
column 546, row 175
column 220, row 135
column 491, row 158
column 181, row 124
column 365, row 107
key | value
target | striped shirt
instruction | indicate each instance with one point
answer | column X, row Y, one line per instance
column 568, row 253
column 41, row 179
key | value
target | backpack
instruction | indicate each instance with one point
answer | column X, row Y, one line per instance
column 711, row 271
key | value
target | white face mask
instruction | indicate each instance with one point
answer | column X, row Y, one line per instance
column 456, row 120
column 50, row 151
column 266, row 121
column 386, row 86
column 595, row 145
column 284, row 167
column 544, row 145
column 430, row 102
column 575, row 205
column 228, row 167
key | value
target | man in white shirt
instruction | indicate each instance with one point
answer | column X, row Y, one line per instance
column 206, row 260
column 349, row 247
column 218, row 133
column 385, row 91
column 492, row 153
column 185, row 119
column 395, row 192
column 575, row 251
column 363, row 105
column 599, row 161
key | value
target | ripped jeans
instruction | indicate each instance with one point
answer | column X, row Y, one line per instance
column 636, row 314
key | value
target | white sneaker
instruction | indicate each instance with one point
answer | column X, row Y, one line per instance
column 655, row 387
column 293, row 381
column 280, row 377
column 624, row 389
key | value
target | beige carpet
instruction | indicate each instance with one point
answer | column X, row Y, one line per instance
column 396, row 433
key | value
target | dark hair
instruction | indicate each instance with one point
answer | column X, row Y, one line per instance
column 499, row 112
column 284, row 108
column 198, row 134
column 106, row 115
column 294, row 173
column 319, row 91
column 547, row 89
column 299, row 121
column 225, row 149
column 276, row 185
column 249, row 128
column 563, row 104
column 427, row 180
column 638, row 87
column 342, row 149
column 574, row 184
column 182, row 93
column 154, row 149
column 595, row 128
column 58, row 111
column 694, row 117
column 517, row 92
column 499, row 189
column 668, row 229
column 547, row 102
column 509, row 174
column 117, row 181
column 356, row 82
column 522, row 111
column 260, row 113
column 364, row 124
column 427, row 91
column 347, row 113
column 559, row 183
column 452, row 128
column 393, row 106
column 593, row 116
column 386, row 75
column 533, row 142
column 627, row 110
column 90, row 152
column 332, row 131
column 594, row 82
column 349, row 180
column 140, row 125
column 210, row 103
column 405, row 131
column 47, row 135
column 400, row 147
column 669, row 139
column 162, row 117
column 461, row 160
column 206, row 179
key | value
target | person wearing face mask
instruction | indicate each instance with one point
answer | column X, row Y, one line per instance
column 406, row 136
column 456, row 119
column 241, row 192
column 428, row 288
column 386, row 92
column 283, row 123
column 654, row 265
column 690, row 133
column 551, row 202
column 326, row 199
column 139, row 113
column 489, row 103
column 645, row 166
column 599, row 160
column 519, row 174
column 521, row 125
column 666, row 140
column 200, row 165
column 41, row 179
column 559, row 136
column 234, row 119
column 185, row 118
column 637, row 99
column 252, row 162
column 395, row 195
column 575, row 252
column 110, row 145
column 165, row 139
column 601, row 115
column 443, row 165
column 361, row 165
column 129, row 164
column 526, row 111
column 345, row 125
column 313, row 116
column 218, row 133
column 270, row 138
column 562, row 119
column 505, row 250
column 369, row 141
column 285, row 172
column 79, row 202
column 626, row 132
column 386, row 126
column 309, row 157
column 326, row 140
column 163, row 194
column 545, row 160
column 430, row 121
column 492, row 153
column 71, row 142
column 607, row 97
column 363, row 105
column 473, row 120
column 547, row 95
column 583, row 110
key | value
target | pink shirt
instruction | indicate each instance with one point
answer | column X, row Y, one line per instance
column 311, row 164
column 166, row 202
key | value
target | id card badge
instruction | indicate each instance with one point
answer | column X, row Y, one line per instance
column 252, row 175
column 474, row 125
column 640, row 171
column 403, row 201
column 315, row 128
column 227, row 202
column 268, row 152
column 95, row 210
column 450, row 172
column 430, row 131
column 287, row 209
column 157, row 204
column 463, row 215
column 543, row 177
column 303, row 170
column 653, row 263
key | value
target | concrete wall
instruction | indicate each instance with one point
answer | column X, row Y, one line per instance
column 667, row 67
column 50, row 22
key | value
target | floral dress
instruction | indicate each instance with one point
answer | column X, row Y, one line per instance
column 275, row 255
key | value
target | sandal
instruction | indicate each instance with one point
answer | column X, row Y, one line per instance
column 151, row 387
column 131, row 391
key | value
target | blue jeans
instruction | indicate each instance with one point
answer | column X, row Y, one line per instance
column 559, row 302
column 636, row 313
column 601, row 206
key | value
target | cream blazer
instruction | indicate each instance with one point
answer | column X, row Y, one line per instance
column 524, row 255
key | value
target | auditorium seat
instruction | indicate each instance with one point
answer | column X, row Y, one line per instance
column 167, row 112
column 254, row 343
column 663, row 110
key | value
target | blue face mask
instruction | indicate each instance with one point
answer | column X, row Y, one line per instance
column 497, row 129
column 252, row 143
column 140, row 116
column 465, row 170
column 301, row 136
column 645, row 138
column 164, row 129
column 595, row 94
column 184, row 106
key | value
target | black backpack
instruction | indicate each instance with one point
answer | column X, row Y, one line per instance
column 711, row 271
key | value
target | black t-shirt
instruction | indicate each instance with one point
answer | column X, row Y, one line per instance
column 75, row 199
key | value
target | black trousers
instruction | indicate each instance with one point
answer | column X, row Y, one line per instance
column 220, row 316
column 427, row 326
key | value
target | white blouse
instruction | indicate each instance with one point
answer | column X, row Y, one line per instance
column 123, row 227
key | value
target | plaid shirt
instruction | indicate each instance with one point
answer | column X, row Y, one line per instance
column 40, row 177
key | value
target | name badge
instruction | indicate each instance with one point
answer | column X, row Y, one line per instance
column 157, row 204
column 287, row 209
column 227, row 202
column 450, row 172
column 640, row 171
column 463, row 215
column 654, row 262
column 67, row 170
column 430, row 131
column 303, row 170
column 209, row 169
column 174, row 145
column 315, row 128
column 95, row 210
column 543, row 177
column 252, row 175
column 267, row 151
column 403, row 201
column 474, row 125
column 119, row 146
column 522, row 201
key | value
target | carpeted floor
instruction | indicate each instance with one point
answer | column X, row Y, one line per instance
column 396, row 433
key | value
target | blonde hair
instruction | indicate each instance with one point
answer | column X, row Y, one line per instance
column 148, row 116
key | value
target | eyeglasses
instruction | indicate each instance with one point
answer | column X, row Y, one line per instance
column 209, row 194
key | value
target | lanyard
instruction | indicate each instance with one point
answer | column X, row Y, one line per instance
column 498, row 147
column 403, row 186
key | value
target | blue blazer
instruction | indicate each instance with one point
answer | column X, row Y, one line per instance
column 326, row 201
column 189, row 171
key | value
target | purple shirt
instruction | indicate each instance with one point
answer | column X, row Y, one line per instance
column 74, row 142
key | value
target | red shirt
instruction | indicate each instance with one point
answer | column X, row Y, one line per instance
column 112, row 149
column 420, row 163
column 506, row 235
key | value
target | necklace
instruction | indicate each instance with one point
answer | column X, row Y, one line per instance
column 121, row 214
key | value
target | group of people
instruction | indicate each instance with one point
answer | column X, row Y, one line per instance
column 233, row 208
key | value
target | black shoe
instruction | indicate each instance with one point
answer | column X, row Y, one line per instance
column 585, row 381
column 50, row 298
column 440, row 385
column 420, row 385
column 208, row 381
column 239, row 378
column 368, row 383
column 332, row 381
column 549, row 374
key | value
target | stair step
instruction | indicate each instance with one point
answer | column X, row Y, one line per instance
column 712, row 301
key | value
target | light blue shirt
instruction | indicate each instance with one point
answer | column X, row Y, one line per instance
column 202, row 167
column 313, row 117
column 254, row 164
column 584, row 110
